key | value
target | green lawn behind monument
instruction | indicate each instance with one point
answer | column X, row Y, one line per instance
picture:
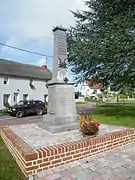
column 119, row 114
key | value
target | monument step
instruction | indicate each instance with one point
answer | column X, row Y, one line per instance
column 63, row 127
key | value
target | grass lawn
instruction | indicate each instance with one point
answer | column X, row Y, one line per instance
column 8, row 167
column 79, row 102
column 119, row 114
column 3, row 112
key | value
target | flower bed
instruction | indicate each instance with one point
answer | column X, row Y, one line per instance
column 88, row 125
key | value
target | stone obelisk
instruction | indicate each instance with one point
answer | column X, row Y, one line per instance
column 61, row 100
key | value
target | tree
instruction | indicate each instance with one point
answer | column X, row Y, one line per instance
column 102, row 43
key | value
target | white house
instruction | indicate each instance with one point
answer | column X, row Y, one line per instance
column 89, row 89
column 22, row 81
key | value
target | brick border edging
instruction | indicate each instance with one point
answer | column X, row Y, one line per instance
column 32, row 161
column 21, row 151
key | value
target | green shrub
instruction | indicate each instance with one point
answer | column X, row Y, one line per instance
column 79, row 102
column 6, row 105
column 123, row 96
column 87, row 99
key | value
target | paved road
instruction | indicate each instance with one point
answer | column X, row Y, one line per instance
column 9, row 120
column 116, row 164
column 86, row 108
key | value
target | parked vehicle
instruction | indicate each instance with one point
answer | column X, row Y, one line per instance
column 23, row 108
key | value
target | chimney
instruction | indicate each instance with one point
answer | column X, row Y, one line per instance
column 45, row 64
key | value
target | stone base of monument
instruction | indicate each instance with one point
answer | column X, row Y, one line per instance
column 61, row 108
column 56, row 124
column 36, row 149
column 61, row 128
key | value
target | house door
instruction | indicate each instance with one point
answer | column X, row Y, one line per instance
column 15, row 98
column 45, row 98
column 6, row 99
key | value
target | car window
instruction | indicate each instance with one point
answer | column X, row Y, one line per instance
column 20, row 103
column 32, row 103
column 26, row 102
column 39, row 103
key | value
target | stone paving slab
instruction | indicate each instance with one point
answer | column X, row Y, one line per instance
column 37, row 137
column 118, row 164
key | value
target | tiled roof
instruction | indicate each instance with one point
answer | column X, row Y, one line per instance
column 93, row 85
column 11, row 68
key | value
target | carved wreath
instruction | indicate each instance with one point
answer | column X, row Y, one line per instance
column 62, row 64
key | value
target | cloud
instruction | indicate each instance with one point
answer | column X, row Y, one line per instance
column 35, row 18
column 42, row 61
column 28, row 23
column 13, row 41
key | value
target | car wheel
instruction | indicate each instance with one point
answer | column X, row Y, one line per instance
column 19, row 114
column 39, row 112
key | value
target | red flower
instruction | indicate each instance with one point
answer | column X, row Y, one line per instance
column 89, row 125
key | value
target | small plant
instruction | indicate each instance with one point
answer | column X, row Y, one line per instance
column 31, row 85
column 6, row 104
column 88, row 125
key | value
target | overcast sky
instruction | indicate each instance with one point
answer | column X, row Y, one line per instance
column 28, row 24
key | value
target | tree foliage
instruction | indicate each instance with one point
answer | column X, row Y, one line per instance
column 102, row 43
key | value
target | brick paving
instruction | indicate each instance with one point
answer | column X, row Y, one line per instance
column 37, row 137
column 118, row 164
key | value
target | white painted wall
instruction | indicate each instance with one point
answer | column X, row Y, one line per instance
column 88, row 92
column 24, row 88
column 80, row 99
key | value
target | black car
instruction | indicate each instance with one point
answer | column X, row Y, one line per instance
column 23, row 108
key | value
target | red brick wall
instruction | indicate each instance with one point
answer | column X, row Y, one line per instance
column 32, row 161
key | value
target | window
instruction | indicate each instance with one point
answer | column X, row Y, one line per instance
column 15, row 97
column 45, row 98
column 39, row 102
column 27, row 102
column 32, row 84
column 20, row 103
column 5, row 80
column 6, row 99
column 25, row 97
column 33, row 102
